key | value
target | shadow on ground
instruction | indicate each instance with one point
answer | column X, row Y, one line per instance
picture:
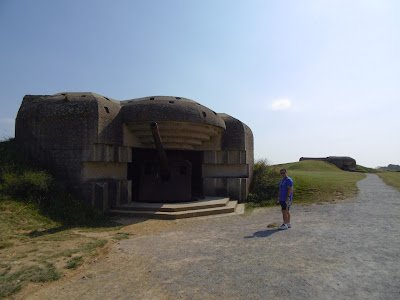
column 261, row 234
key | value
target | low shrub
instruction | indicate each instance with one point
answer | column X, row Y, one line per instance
column 33, row 186
column 264, row 187
column 22, row 181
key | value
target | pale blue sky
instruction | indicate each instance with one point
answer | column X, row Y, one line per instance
column 310, row 78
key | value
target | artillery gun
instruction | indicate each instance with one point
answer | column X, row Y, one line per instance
column 165, row 180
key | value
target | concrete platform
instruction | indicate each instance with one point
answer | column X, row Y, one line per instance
column 206, row 207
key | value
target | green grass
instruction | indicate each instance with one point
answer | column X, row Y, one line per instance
column 367, row 170
column 17, row 219
column 74, row 262
column 87, row 247
column 314, row 181
column 121, row 236
column 4, row 245
column 11, row 283
column 391, row 178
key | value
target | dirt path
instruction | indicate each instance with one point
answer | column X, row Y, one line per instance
column 344, row 250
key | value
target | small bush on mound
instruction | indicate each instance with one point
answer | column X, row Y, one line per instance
column 30, row 185
column 264, row 187
column 21, row 181
column 40, row 189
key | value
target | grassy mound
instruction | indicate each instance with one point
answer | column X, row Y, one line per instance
column 314, row 181
column 321, row 181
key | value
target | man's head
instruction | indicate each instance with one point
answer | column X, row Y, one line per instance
column 283, row 173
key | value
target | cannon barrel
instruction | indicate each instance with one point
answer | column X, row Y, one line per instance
column 164, row 165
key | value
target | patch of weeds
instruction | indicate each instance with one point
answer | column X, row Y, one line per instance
column 74, row 262
column 273, row 225
column 4, row 245
column 121, row 236
column 12, row 283
column 36, row 274
column 6, row 268
column 9, row 288
column 93, row 245
column 65, row 253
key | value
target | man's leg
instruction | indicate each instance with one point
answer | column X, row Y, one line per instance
column 286, row 216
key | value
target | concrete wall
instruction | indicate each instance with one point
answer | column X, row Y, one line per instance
column 228, row 172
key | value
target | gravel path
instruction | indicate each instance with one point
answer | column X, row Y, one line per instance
column 344, row 250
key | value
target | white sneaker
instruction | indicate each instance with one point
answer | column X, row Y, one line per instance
column 283, row 227
column 289, row 225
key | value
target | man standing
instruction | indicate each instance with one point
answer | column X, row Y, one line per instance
column 285, row 198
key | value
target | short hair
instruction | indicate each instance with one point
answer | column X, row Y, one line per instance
column 283, row 170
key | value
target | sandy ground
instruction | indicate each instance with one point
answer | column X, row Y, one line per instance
column 343, row 250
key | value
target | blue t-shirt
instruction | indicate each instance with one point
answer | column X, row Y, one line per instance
column 283, row 188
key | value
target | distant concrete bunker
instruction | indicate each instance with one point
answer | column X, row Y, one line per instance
column 343, row 162
column 152, row 149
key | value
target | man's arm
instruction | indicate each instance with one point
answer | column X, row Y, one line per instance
column 289, row 192
column 279, row 193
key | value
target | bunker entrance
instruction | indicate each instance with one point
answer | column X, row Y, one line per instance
column 152, row 183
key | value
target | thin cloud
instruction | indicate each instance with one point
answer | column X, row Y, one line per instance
column 281, row 104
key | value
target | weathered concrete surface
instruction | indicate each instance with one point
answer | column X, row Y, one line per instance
column 102, row 148
column 341, row 250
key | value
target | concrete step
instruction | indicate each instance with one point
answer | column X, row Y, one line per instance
column 230, row 207
column 207, row 202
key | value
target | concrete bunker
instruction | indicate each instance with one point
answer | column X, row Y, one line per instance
column 155, row 149
column 343, row 162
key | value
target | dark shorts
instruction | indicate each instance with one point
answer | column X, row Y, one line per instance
column 285, row 206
